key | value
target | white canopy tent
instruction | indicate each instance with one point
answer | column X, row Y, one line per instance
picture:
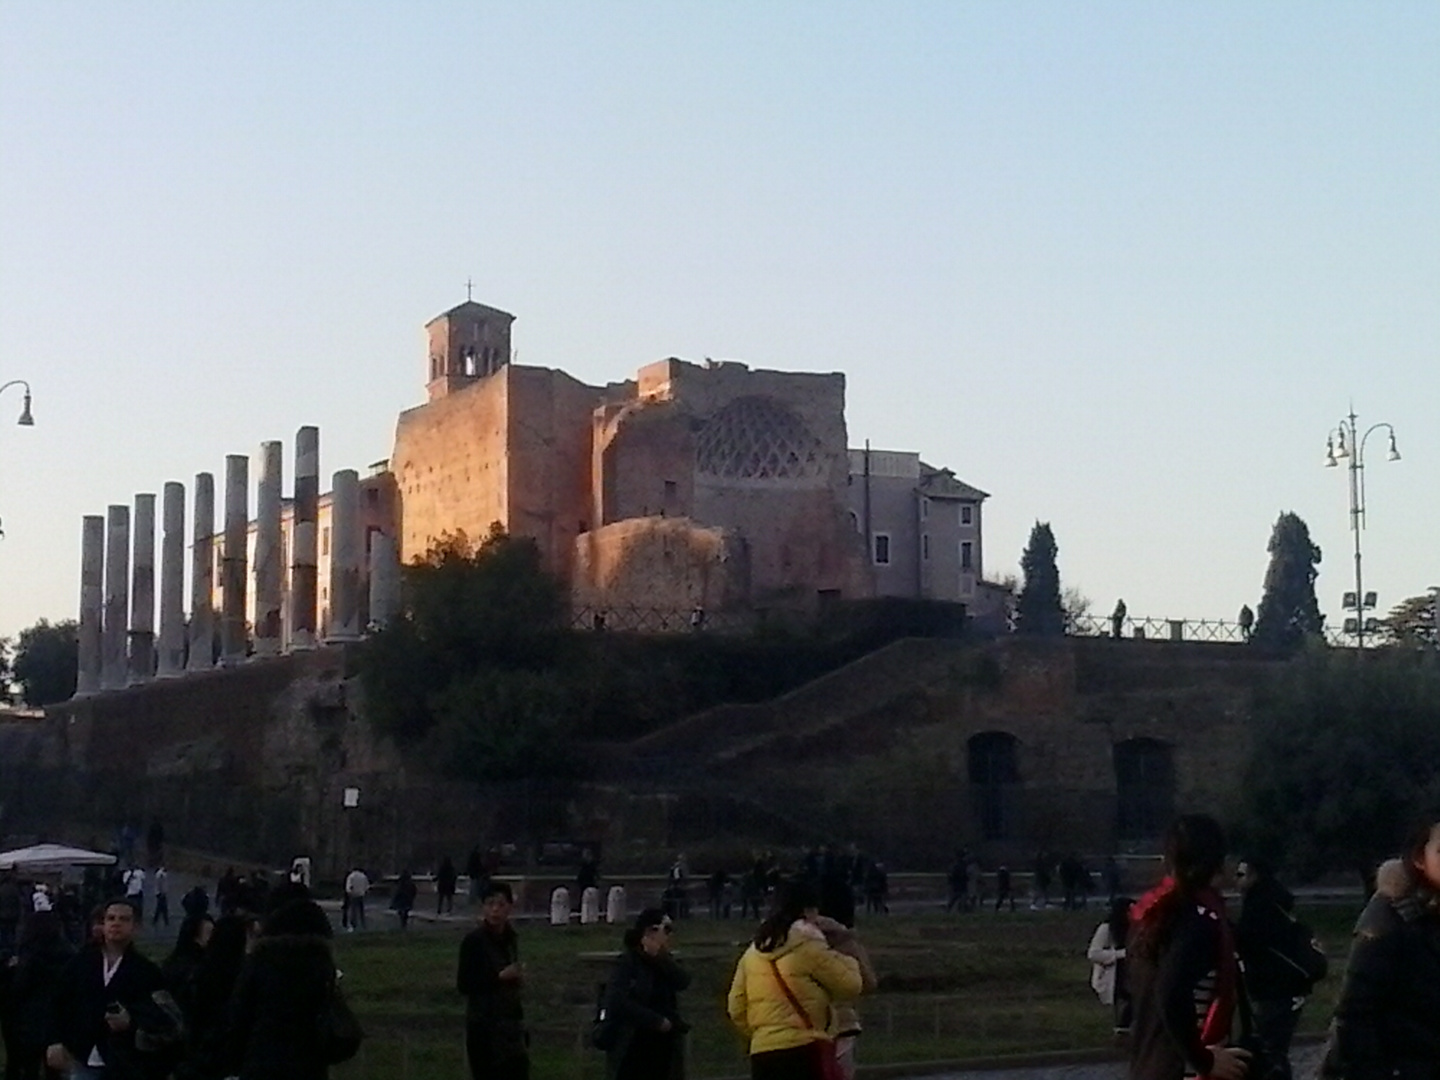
column 51, row 858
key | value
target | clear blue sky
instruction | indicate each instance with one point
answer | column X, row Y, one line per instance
column 1121, row 265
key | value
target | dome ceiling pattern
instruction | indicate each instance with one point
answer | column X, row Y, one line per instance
column 757, row 438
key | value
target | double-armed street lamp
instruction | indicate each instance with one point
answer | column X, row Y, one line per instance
column 1346, row 441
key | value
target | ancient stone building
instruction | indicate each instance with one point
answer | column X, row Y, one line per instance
column 708, row 485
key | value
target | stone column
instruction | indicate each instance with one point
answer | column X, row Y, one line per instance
column 384, row 580
column 303, row 575
column 142, row 592
column 92, row 603
column 200, row 640
column 117, row 597
column 233, row 569
column 345, row 557
column 172, row 581
column 269, row 553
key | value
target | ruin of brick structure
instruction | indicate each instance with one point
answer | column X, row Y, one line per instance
column 708, row 487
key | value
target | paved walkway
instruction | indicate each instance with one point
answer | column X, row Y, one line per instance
column 1304, row 1061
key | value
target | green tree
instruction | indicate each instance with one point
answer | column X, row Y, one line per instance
column 47, row 660
column 467, row 609
column 7, row 693
column 1039, row 608
column 498, row 725
column 1346, row 754
column 1412, row 622
column 1288, row 611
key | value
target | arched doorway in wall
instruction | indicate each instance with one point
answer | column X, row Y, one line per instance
column 994, row 771
column 1144, row 788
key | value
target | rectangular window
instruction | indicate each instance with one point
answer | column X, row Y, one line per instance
column 924, row 545
column 882, row 549
column 967, row 555
column 670, row 490
column 924, row 508
column 967, row 515
column 325, row 540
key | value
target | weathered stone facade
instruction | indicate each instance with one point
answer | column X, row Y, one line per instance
column 750, row 462
column 911, row 751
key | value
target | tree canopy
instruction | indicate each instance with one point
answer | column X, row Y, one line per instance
column 1412, row 622
column 47, row 661
column 1040, row 609
column 1346, row 756
column 1288, row 611
column 456, row 669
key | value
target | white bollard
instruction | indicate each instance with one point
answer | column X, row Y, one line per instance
column 560, row 906
column 615, row 904
column 590, row 906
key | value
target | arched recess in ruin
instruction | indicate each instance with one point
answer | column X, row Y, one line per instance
column 994, row 769
column 1144, row 788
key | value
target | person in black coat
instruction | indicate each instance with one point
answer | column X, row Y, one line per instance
column 275, row 1029
column 1387, row 1022
column 107, row 999
column 39, row 964
column 1263, row 933
column 208, row 1002
column 490, row 977
column 642, row 1004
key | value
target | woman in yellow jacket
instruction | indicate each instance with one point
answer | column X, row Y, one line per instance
column 783, row 988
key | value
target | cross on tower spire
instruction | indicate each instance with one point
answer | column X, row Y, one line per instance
column 469, row 290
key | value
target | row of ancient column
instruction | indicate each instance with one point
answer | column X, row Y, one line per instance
column 118, row 646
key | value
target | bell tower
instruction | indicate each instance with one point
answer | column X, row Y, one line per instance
column 466, row 343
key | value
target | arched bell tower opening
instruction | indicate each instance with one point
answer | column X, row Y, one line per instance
column 466, row 343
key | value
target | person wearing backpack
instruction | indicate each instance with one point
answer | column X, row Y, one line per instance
column 1280, row 958
column 639, row 1026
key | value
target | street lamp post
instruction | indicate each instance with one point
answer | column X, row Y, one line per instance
column 1345, row 441
column 26, row 419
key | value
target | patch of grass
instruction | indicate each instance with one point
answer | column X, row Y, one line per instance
column 957, row 986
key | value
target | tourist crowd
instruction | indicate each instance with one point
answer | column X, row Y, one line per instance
column 252, row 991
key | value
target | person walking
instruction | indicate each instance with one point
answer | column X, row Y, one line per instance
column 446, row 880
column 403, row 902
column 475, row 873
column 490, row 977
column 209, row 1056
column 1109, row 976
column 162, row 897
column 783, row 989
column 642, row 1004
column 1004, row 889
column 42, row 956
column 135, row 893
column 1184, row 976
column 1281, row 961
column 357, row 886
column 274, row 1027
column 1387, row 1021
column 102, row 998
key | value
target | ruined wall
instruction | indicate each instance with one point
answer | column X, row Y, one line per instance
column 450, row 465
column 659, row 562
column 758, row 453
column 548, row 475
column 879, row 752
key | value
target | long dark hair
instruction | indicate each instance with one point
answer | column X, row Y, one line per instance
column 187, row 944
column 791, row 900
column 1194, row 854
column 1119, row 920
column 1414, row 849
